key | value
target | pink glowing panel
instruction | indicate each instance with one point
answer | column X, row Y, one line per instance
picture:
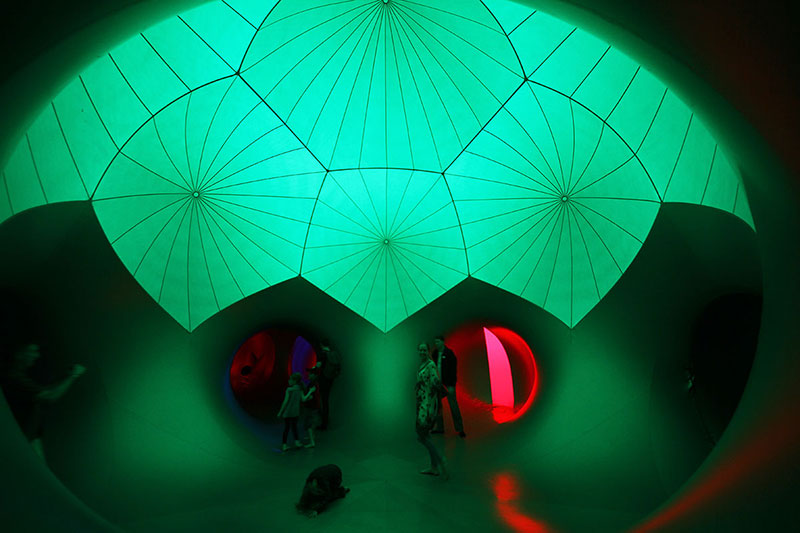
column 500, row 378
column 513, row 342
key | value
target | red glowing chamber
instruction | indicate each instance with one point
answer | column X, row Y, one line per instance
column 497, row 374
column 261, row 367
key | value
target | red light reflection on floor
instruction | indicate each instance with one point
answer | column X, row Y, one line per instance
column 507, row 492
column 766, row 448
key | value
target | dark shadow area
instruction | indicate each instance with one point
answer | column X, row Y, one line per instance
column 723, row 345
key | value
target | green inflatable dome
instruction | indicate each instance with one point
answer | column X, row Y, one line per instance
column 384, row 150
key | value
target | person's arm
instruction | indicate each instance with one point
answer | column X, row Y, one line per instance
column 58, row 390
column 435, row 382
column 309, row 394
column 285, row 401
column 431, row 377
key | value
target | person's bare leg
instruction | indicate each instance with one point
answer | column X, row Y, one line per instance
column 425, row 440
column 443, row 468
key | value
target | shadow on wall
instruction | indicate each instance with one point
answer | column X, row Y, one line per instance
column 698, row 389
column 723, row 344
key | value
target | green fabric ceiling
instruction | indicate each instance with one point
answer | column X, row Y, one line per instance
column 382, row 149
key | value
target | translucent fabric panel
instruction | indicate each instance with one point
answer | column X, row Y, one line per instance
column 741, row 206
column 637, row 105
column 41, row 169
column 600, row 90
column 570, row 63
column 84, row 134
column 367, row 83
column 634, row 103
column 553, row 205
column 693, row 166
column 55, row 166
column 206, row 178
column 225, row 31
column 666, row 132
column 119, row 108
column 721, row 188
column 6, row 209
column 384, row 242
column 22, row 180
column 151, row 79
column 210, row 201
column 253, row 11
column 192, row 60
column 537, row 38
column 508, row 13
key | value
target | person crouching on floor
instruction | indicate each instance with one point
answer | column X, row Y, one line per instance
column 323, row 485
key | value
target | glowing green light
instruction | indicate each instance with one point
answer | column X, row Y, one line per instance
column 382, row 150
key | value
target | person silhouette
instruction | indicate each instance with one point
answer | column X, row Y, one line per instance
column 330, row 368
column 290, row 409
column 323, row 485
column 27, row 397
column 427, row 398
column 310, row 407
column 447, row 367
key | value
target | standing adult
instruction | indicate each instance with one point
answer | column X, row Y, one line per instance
column 330, row 369
column 447, row 366
column 427, row 396
column 28, row 398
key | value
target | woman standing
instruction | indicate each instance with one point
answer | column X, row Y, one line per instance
column 427, row 393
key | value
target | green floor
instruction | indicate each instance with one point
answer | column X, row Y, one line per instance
column 387, row 493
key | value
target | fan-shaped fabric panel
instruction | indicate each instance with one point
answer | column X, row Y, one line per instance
column 56, row 178
column 385, row 242
column 222, row 29
column 553, row 204
column 50, row 165
column 209, row 202
column 674, row 146
column 383, row 149
column 374, row 83
column 70, row 145
column 188, row 55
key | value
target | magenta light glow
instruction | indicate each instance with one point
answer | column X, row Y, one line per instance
column 510, row 340
column 500, row 378
column 497, row 374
